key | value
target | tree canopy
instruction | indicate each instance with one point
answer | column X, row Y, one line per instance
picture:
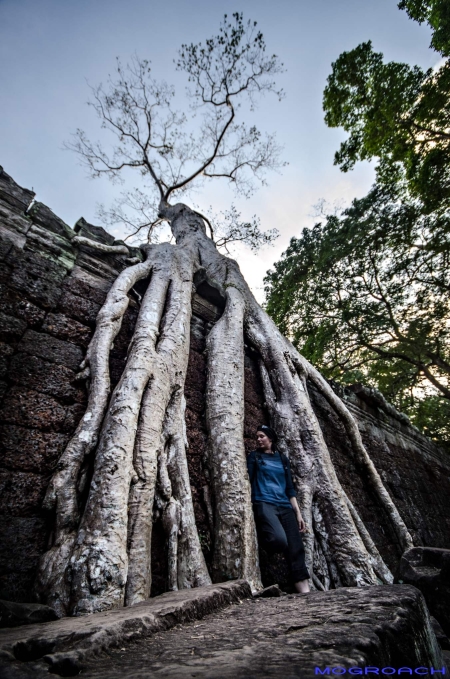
column 437, row 14
column 396, row 113
column 177, row 151
column 364, row 296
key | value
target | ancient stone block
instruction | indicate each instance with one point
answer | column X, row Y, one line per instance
column 21, row 493
column 11, row 219
column 37, row 277
column 78, row 286
column 80, row 308
column 11, row 329
column 38, row 266
column 98, row 233
column 74, row 414
column 6, row 352
column 46, row 377
column 5, row 273
column 19, row 557
column 32, row 409
column 15, row 614
column 42, row 215
column 3, row 389
column 6, row 245
column 65, row 328
column 13, row 194
column 12, row 303
column 428, row 569
column 56, row 248
column 93, row 281
column 107, row 266
column 51, row 348
column 30, row 450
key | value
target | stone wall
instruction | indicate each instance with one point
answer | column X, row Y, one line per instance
column 51, row 292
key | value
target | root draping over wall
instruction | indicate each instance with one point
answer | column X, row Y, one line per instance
column 128, row 454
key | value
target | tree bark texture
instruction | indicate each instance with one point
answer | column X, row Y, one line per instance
column 136, row 445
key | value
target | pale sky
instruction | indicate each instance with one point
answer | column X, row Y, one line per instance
column 50, row 49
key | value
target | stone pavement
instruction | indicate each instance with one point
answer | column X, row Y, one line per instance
column 63, row 646
column 385, row 626
column 252, row 638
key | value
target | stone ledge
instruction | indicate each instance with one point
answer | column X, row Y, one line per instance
column 288, row 637
column 65, row 644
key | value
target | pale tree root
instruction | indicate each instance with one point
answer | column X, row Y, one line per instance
column 191, row 570
column 403, row 535
column 376, row 560
column 157, row 358
column 291, row 414
column 64, row 490
column 235, row 544
column 101, row 247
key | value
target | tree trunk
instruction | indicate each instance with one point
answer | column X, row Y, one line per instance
column 102, row 560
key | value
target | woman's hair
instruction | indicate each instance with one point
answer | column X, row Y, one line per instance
column 269, row 432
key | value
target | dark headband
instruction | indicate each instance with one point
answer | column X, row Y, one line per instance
column 268, row 431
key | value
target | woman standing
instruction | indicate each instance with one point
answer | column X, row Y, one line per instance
column 278, row 519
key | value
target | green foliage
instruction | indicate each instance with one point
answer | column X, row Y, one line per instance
column 437, row 14
column 396, row 113
column 364, row 296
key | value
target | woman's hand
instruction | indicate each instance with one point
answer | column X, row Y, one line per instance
column 301, row 524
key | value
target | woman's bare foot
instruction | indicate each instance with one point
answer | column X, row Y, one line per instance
column 302, row 586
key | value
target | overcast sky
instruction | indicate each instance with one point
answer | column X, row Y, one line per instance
column 50, row 49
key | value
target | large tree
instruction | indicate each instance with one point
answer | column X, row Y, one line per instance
column 396, row 113
column 130, row 444
column 364, row 296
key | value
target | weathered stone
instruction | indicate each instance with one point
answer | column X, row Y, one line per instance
column 93, row 281
column 13, row 304
column 13, row 614
column 13, row 194
column 51, row 245
column 49, row 378
column 74, row 414
column 38, row 267
column 428, row 569
column 442, row 638
column 22, row 555
column 68, row 642
column 288, row 636
column 80, row 308
column 65, row 328
column 32, row 409
column 5, row 355
column 42, row 215
column 6, row 244
column 21, row 494
column 36, row 277
column 272, row 591
column 97, row 263
column 51, row 348
column 30, row 450
column 81, row 288
column 13, row 220
column 98, row 233
column 3, row 389
column 23, row 540
column 11, row 329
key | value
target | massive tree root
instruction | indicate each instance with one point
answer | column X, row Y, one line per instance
column 100, row 556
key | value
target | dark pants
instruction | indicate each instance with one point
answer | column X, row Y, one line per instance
column 278, row 532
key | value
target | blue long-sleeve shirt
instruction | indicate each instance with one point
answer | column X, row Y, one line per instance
column 270, row 477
